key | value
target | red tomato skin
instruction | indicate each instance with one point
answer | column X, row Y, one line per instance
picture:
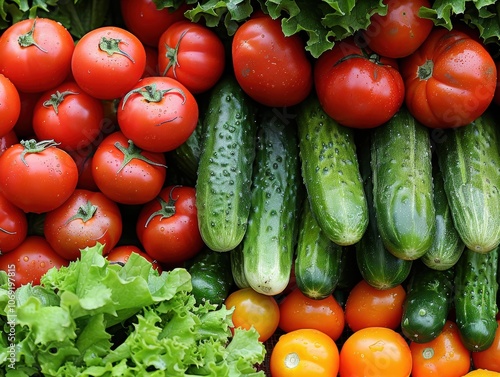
column 271, row 68
column 36, row 69
column 83, row 159
column 461, row 85
column 7, row 140
column 24, row 125
column 10, row 105
column 122, row 254
column 13, row 225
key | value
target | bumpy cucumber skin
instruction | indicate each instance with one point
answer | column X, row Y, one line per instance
column 223, row 185
column 269, row 243
column 237, row 269
column 331, row 175
column 402, row 185
column 469, row 158
column 429, row 298
column 476, row 290
column 317, row 260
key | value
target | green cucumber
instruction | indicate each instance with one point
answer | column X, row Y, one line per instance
column 402, row 185
column 269, row 243
column 331, row 174
column 317, row 259
column 187, row 156
column 223, row 185
column 237, row 269
column 469, row 158
column 428, row 301
column 476, row 290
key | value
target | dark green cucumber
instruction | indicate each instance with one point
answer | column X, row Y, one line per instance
column 187, row 155
column 223, row 185
column 237, row 269
column 469, row 158
column 317, row 259
column 269, row 243
column 331, row 175
column 476, row 290
column 402, row 185
column 428, row 301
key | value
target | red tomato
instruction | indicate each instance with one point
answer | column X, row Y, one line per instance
column 192, row 54
column 450, row 80
column 84, row 219
column 126, row 173
column 83, row 159
column 158, row 114
column 24, row 125
column 36, row 54
column 7, row 140
column 28, row 262
column 13, row 225
column 490, row 357
column 167, row 227
column 401, row 31
column 122, row 253
column 69, row 116
column 10, row 105
column 108, row 62
column 357, row 88
column 37, row 176
column 271, row 68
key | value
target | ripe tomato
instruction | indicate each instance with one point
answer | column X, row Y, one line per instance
column 126, row 173
column 482, row 373
column 167, row 227
column 367, row 306
column 10, row 105
column 375, row 352
column 357, row 88
column 37, row 176
column 158, row 114
column 297, row 311
column 271, row 68
column 444, row 356
column 7, row 140
column 122, row 253
column 450, row 80
column 24, row 125
column 399, row 32
column 69, row 116
column 13, row 225
column 304, row 352
column 83, row 159
column 28, row 262
column 36, row 54
column 489, row 358
column 254, row 309
column 108, row 62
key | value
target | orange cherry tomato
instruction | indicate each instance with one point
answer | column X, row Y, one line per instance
column 367, row 306
column 444, row 356
column 490, row 357
column 254, row 309
column 482, row 373
column 375, row 352
column 297, row 311
column 304, row 353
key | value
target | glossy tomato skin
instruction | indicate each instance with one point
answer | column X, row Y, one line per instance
column 122, row 253
column 167, row 227
column 10, row 105
column 297, row 311
column 13, row 225
column 252, row 308
column 489, row 358
column 126, row 173
column 158, row 124
column 38, row 66
column 108, row 74
column 28, row 262
column 401, row 31
column 356, row 88
column 86, row 218
column 272, row 69
column 450, row 80
column 37, row 181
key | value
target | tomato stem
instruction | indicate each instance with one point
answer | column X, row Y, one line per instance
column 112, row 46
column 27, row 40
column 131, row 152
column 85, row 212
column 424, row 72
column 167, row 208
column 171, row 55
column 151, row 94
column 56, row 99
column 32, row 146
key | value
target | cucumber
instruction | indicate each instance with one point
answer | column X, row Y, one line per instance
column 223, row 184
column 349, row 271
column 237, row 270
column 269, row 243
column 331, row 174
column 402, row 185
column 428, row 301
column 469, row 158
column 317, row 259
column 475, row 304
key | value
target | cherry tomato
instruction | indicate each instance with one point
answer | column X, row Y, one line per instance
column 375, row 352
column 108, row 62
column 489, row 358
column 305, row 352
column 254, row 309
column 13, row 225
column 482, row 373
column 7, row 140
column 122, row 253
column 10, row 105
column 158, row 114
column 271, row 68
column 297, row 311
column 37, row 176
column 450, row 80
column 367, row 306
column 36, row 54
column 28, row 262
